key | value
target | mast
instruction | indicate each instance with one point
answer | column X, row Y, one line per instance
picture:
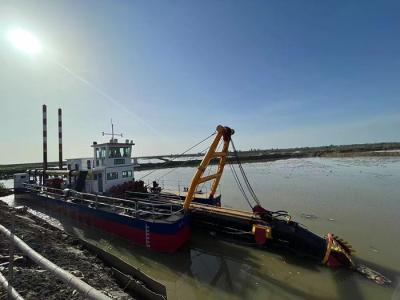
column 112, row 132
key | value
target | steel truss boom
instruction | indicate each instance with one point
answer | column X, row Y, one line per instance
column 224, row 133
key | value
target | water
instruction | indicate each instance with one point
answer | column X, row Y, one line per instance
column 355, row 198
column 8, row 183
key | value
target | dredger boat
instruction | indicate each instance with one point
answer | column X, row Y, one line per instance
column 163, row 222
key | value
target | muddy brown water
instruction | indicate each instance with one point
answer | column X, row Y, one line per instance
column 355, row 198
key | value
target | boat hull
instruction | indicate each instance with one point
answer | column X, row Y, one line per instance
column 156, row 235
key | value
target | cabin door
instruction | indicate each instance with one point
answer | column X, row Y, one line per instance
column 100, row 182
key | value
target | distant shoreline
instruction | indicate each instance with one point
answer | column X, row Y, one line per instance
column 254, row 155
column 269, row 157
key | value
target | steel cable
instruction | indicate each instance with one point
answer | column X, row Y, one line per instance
column 183, row 153
column 239, row 184
column 246, row 180
column 183, row 164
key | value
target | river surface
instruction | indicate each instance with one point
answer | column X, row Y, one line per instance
column 357, row 199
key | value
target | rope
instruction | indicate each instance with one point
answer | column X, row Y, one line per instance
column 183, row 153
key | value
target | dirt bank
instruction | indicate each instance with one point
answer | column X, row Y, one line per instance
column 32, row 282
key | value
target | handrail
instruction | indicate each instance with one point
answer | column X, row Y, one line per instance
column 163, row 195
column 124, row 200
column 139, row 205
column 79, row 194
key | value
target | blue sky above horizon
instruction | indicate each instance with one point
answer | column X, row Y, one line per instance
column 282, row 73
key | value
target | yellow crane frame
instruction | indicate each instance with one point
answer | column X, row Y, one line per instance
column 224, row 133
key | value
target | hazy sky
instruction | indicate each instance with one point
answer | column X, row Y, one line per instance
column 282, row 73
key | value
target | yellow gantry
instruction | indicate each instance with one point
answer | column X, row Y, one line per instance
column 222, row 133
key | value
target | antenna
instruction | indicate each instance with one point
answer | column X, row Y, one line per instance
column 112, row 132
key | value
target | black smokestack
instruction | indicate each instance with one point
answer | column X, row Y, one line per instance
column 60, row 155
column 44, row 137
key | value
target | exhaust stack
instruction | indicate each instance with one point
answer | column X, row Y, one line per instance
column 60, row 154
column 44, row 137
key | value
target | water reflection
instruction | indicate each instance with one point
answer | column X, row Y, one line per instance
column 208, row 268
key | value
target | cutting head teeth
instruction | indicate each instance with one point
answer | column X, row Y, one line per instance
column 347, row 246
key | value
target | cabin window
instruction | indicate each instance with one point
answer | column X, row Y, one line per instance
column 103, row 152
column 112, row 152
column 112, row 175
column 126, row 174
column 69, row 167
column 97, row 153
column 76, row 167
column 119, row 161
column 117, row 152
column 89, row 164
column 127, row 151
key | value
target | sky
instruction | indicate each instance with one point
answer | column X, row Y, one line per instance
column 281, row 73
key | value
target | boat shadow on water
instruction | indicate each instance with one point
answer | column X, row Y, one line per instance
column 205, row 262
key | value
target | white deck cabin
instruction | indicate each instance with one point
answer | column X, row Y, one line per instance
column 112, row 165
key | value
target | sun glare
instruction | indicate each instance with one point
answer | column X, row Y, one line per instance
column 25, row 41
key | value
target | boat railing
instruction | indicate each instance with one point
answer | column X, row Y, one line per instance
column 161, row 197
column 137, row 207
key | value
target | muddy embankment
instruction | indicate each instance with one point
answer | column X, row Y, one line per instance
column 171, row 161
column 264, row 157
column 31, row 281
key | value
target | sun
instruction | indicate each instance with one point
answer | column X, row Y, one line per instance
column 24, row 40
